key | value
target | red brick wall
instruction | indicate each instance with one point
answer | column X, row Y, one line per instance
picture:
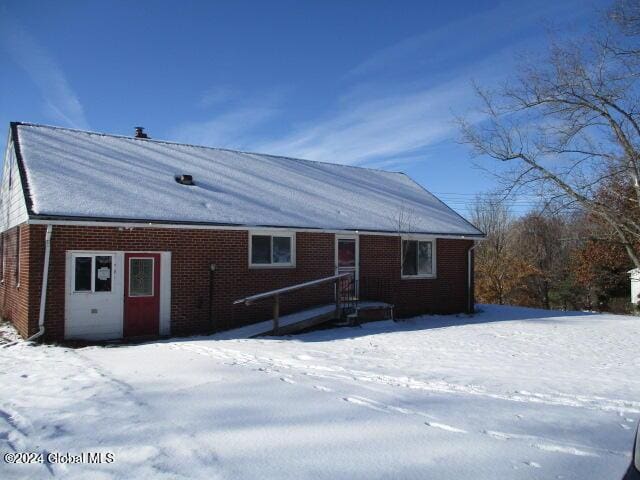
column 17, row 298
column 193, row 250
column 380, row 277
column 192, row 253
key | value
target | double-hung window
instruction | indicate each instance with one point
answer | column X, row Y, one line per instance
column 275, row 250
column 418, row 258
column 92, row 273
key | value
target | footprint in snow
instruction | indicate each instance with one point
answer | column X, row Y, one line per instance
column 625, row 426
column 532, row 464
column 563, row 449
column 287, row 380
column 365, row 402
column 443, row 426
column 322, row 389
column 496, row 435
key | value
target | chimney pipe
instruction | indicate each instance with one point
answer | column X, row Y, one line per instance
column 140, row 133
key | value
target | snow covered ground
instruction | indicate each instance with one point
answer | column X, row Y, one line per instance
column 511, row 393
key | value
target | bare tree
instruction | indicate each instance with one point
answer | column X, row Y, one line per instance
column 568, row 126
column 498, row 271
column 538, row 240
column 403, row 222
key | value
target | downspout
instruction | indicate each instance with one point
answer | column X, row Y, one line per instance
column 45, row 278
column 212, row 269
column 470, row 306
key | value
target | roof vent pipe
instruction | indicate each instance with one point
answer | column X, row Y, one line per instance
column 140, row 133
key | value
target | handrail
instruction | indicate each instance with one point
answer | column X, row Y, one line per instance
column 260, row 296
column 276, row 296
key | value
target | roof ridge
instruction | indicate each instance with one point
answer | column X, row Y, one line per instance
column 206, row 147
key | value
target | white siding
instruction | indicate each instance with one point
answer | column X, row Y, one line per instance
column 13, row 208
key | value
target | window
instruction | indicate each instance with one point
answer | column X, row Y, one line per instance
column 272, row 250
column 83, row 274
column 92, row 273
column 141, row 277
column 346, row 252
column 418, row 258
column 102, row 272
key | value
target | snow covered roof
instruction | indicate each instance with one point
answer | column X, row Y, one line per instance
column 84, row 175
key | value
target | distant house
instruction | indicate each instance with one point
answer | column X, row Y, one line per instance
column 634, row 278
column 132, row 236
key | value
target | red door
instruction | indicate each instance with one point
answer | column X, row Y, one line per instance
column 141, row 294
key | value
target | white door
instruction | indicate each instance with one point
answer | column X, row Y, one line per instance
column 347, row 261
column 94, row 288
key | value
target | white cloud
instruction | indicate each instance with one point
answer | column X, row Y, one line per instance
column 216, row 95
column 382, row 126
column 390, row 114
column 229, row 129
column 61, row 102
column 232, row 122
column 374, row 128
column 398, row 102
column 461, row 41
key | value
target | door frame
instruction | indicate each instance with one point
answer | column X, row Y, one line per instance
column 356, row 273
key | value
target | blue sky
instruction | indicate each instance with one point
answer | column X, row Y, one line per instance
column 366, row 83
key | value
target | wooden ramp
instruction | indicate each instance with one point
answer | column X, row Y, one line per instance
column 287, row 323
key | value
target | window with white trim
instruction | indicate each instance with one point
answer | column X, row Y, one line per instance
column 418, row 258
column 92, row 273
column 271, row 250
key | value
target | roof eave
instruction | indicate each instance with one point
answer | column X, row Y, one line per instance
column 147, row 222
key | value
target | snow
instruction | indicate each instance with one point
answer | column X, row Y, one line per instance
column 82, row 174
column 8, row 334
column 508, row 393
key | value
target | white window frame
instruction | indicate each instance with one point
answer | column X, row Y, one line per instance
column 153, row 277
column 93, row 256
column 434, row 257
column 271, row 233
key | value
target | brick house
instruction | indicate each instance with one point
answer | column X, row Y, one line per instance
column 106, row 236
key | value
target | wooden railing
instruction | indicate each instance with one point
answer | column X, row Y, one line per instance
column 280, row 291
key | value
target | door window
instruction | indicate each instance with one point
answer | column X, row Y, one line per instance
column 346, row 253
column 141, row 277
column 83, row 274
column 92, row 273
column 102, row 271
